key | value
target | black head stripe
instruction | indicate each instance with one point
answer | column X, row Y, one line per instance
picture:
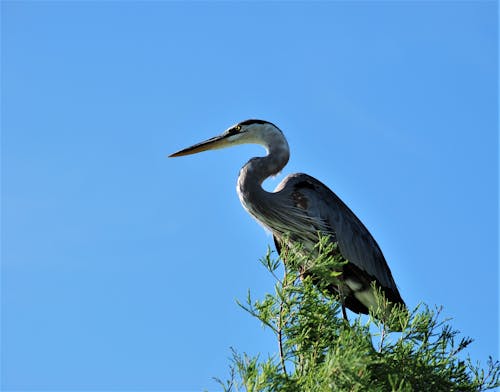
column 253, row 121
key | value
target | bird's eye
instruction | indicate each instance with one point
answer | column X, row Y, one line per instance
column 234, row 130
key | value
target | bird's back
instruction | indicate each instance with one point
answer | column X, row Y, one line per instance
column 366, row 262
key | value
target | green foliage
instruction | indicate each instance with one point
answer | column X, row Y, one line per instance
column 317, row 350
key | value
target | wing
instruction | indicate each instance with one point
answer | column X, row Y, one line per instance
column 356, row 244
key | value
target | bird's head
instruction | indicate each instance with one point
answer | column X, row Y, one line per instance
column 246, row 132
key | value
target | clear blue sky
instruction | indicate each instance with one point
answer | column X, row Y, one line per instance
column 120, row 267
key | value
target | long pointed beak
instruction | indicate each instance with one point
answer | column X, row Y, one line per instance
column 210, row 144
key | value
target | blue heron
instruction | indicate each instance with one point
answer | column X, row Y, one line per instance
column 300, row 208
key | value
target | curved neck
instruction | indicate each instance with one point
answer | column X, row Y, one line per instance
column 256, row 170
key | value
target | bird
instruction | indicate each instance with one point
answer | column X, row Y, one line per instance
column 301, row 207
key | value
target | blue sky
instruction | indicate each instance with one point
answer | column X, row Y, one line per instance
column 120, row 267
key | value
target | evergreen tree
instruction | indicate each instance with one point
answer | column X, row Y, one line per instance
column 317, row 350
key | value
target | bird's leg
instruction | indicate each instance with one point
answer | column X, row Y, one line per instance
column 342, row 303
column 344, row 313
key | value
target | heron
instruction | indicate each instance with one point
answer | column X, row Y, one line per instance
column 301, row 207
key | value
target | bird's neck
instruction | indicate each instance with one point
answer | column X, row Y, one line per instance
column 255, row 171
